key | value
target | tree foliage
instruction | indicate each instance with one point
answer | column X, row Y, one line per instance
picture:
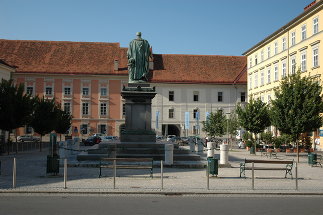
column 233, row 124
column 44, row 119
column 215, row 124
column 297, row 106
column 64, row 121
column 15, row 106
column 254, row 117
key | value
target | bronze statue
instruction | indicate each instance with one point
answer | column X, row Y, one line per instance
column 138, row 59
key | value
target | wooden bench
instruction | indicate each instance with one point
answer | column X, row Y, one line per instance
column 127, row 163
column 288, row 166
column 269, row 153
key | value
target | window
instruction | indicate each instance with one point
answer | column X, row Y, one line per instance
column 195, row 96
column 83, row 129
column 85, row 108
column 220, row 96
column 269, row 99
column 102, row 129
column 67, row 91
column 276, row 72
column 293, row 38
column 103, row 91
column 284, row 43
column 67, row 107
column 303, row 36
column 250, row 61
column 315, row 25
column 196, row 114
column 171, row 113
column 315, row 57
column 256, row 79
column 283, row 69
column 242, row 96
column 262, row 55
column 268, row 75
column 262, row 78
column 268, row 51
column 256, row 59
column 48, row 91
column 293, row 65
column 29, row 90
column 103, row 109
column 85, row 91
column 303, row 61
column 250, row 82
column 28, row 130
column 171, row 95
column 276, row 48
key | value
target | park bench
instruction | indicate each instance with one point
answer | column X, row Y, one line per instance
column 127, row 163
column 317, row 161
column 269, row 153
column 287, row 168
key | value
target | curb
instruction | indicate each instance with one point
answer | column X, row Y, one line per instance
column 161, row 193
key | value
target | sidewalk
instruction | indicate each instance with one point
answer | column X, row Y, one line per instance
column 32, row 178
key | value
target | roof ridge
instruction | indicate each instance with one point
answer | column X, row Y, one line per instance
column 62, row 41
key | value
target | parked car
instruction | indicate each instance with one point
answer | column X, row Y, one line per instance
column 170, row 138
column 92, row 141
column 26, row 138
column 107, row 138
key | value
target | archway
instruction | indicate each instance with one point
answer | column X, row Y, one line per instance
column 171, row 129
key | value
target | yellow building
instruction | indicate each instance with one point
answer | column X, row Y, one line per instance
column 296, row 45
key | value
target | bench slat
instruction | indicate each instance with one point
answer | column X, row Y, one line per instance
column 269, row 161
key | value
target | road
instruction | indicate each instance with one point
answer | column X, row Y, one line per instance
column 147, row 205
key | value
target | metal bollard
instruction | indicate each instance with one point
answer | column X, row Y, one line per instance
column 253, row 176
column 296, row 180
column 162, row 174
column 14, row 174
column 207, row 176
column 114, row 173
column 65, row 173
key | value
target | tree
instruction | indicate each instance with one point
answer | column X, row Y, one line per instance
column 233, row 124
column 64, row 122
column 15, row 106
column 44, row 118
column 254, row 117
column 297, row 106
column 215, row 124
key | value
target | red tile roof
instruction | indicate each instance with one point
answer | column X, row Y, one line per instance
column 61, row 57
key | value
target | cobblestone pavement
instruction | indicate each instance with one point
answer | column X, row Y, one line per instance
column 31, row 177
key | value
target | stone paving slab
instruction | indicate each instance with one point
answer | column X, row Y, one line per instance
column 31, row 178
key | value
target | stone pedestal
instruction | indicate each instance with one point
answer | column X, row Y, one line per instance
column 138, row 98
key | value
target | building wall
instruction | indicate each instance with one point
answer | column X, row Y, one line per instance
column 5, row 72
column 265, row 89
column 94, row 119
column 184, row 102
column 295, row 49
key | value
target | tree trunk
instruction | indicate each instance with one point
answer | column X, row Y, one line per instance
column 16, row 141
column 297, row 148
column 8, row 142
column 40, row 142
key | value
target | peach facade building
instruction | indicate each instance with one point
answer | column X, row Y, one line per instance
column 86, row 78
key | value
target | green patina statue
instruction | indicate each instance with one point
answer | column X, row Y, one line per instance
column 138, row 59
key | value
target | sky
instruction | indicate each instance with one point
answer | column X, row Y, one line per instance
column 197, row 27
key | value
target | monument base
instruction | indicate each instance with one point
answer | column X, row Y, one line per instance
column 138, row 98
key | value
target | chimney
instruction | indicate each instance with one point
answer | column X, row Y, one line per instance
column 116, row 65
